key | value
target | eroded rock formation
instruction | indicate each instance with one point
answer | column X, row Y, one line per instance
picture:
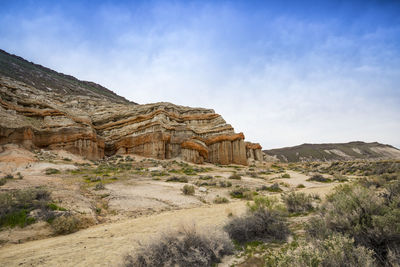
column 94, row 127
column 253, row 151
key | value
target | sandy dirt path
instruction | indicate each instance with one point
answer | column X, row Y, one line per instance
column 106, row 245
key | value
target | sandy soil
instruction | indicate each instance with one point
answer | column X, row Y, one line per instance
column 106, row 245
column 134, row 207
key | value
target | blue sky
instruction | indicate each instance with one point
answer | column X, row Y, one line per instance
column 282, row 72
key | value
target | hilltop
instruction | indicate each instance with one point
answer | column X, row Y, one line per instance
column 335, row 151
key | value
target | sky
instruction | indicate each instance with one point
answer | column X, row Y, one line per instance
column 282, row 72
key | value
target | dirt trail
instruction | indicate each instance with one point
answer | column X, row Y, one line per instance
column 106, row 245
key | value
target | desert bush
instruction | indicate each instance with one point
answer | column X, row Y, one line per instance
column 363, row 214
column 260, row 225
column 206, row 177
column 340, row 178
column 220, row 200
column 300, row 186
column 99, row 186
column 3, row 181
column 319, row 178
column 274, row 188
column 184, row 248
column 65, row 224
column 298, row 202
column 238, row 192
column 266, row 203
column 285, row 175
column 15, row 206
column 50, row 171
column 9, row 176
column 249, row 195
column 337, row 250
column 188, row 189
column 225, row 184
column 235, row 177
column 180, row 179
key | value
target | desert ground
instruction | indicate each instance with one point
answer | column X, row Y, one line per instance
column 124, row 201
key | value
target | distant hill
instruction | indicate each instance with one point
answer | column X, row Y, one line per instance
column 332, row 152
column 48, row 80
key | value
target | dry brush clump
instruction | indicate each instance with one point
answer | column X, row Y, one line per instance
column 188, row 189
column 264, row 221
column 189, row 247
column 298, row 202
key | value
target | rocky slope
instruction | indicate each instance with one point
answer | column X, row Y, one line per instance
column 333, row 152
column 94, row 122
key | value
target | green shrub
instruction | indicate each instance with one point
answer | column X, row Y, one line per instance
column 65, row 224
column 238, row 192
column 54, row 206
column 9, row 176
column 50, row 171
column 286, row 175
column 235, row 177
column 207, row 177
column 298, row 202
column 185, row 248
column 3, row 181
column 188, row 189
column 225, row 184
column 220, row 200
column 274, row 188
column 266, row 203
column 300, row 186
column 181, row 179
column 99, row 186
column 319, row 178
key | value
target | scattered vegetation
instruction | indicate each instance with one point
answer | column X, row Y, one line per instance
column 319, row 178
column 235, row 177
column 185, row 248
column 274, row 188
column 225, row 184
column 15, row 207
column 50, row 171
column 179, row 179
column 242, row 192
column 220, row 200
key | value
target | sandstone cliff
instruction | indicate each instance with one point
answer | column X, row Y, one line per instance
column 95, row 125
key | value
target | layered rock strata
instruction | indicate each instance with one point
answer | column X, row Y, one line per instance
column 95, row 126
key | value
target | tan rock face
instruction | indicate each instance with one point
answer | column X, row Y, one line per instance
column 95, row 127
